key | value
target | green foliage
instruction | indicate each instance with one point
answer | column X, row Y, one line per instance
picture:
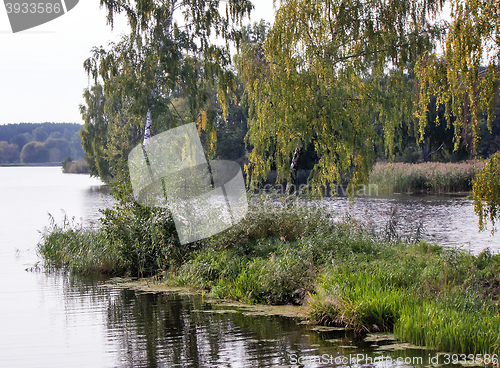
column 35, row 152
column 39, row 135
column 65, row 163
column 83, row 250
column 20, row 140
column 274, row 217
column 327, row 74
column 444, row 328
column 131, row 240
column 39, row 143
column 281, row 278
column 487, row 192
column 464, row 78
column 160, row 70
column 8, row 152
column 273, row 255
column 427, row 296
column 145, row 238
column 14, row 131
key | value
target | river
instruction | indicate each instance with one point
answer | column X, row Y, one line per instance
column 56, row 320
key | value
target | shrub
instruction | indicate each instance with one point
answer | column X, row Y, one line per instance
column 131, row 240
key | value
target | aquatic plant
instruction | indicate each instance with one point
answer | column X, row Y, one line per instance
column 131, row 240
column 425, row 294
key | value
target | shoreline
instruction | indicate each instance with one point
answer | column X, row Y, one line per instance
column 46, row 164
column 344, row 274
column 151, row 285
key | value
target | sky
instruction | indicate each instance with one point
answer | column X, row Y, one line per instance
column 41, row 69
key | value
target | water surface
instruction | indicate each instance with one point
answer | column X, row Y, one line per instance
column 56, row 320
column 449, row 221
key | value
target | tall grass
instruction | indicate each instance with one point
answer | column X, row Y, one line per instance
column 427, row 295
column 131, row 240
column 430, row 177
column 269, row 257
column 83, row 250
column 447, row 328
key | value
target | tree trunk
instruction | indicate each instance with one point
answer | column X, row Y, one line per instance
column 290, row 188
column 427, row 154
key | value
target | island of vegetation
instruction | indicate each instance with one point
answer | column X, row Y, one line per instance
column 334, row 94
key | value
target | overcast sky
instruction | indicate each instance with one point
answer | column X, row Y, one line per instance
column 41, row 69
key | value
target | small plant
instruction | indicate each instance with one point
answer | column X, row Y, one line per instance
column 65, row 163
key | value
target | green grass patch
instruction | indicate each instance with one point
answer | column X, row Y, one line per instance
column 425, row 294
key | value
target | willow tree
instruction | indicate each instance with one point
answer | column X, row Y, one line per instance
column 464, row 77
column 328, row 72
column 175, row 49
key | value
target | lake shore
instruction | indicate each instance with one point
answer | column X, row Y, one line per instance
column 46, row 164
column 153, row 285
column 425, row 178
column 347, row 276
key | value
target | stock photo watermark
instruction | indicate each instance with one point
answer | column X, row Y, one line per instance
column 384, row 360
column 26, row 14
column 205, row 199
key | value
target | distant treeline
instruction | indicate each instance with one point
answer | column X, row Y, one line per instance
column 39, row 143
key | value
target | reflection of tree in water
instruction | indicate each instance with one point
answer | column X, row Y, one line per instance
column 165, row 330
column 176, row 330
column 169, row 329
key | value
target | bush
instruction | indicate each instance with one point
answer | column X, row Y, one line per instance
column 131, row 240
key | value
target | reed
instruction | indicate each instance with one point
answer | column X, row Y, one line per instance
column 430, row 177
column 77, row 167
column 131, row 240
column 446, row 328
column 71, row 246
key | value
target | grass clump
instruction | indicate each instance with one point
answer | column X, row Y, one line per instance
column 269, row 257
column 429, row 177
column 131, row 240
column 426, row 295
column 281, row 277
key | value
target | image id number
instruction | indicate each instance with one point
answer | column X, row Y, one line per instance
column 33, row 8
column 470, row 359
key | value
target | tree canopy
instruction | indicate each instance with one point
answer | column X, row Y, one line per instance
column 331, row 77
column 328, row 73
column 39, row 143
column 464, row 77
column 175, row 50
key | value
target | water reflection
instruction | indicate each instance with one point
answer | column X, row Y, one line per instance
column 154, row 330
column 96, row 197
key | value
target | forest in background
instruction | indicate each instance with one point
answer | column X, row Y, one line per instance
column 29, row 143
